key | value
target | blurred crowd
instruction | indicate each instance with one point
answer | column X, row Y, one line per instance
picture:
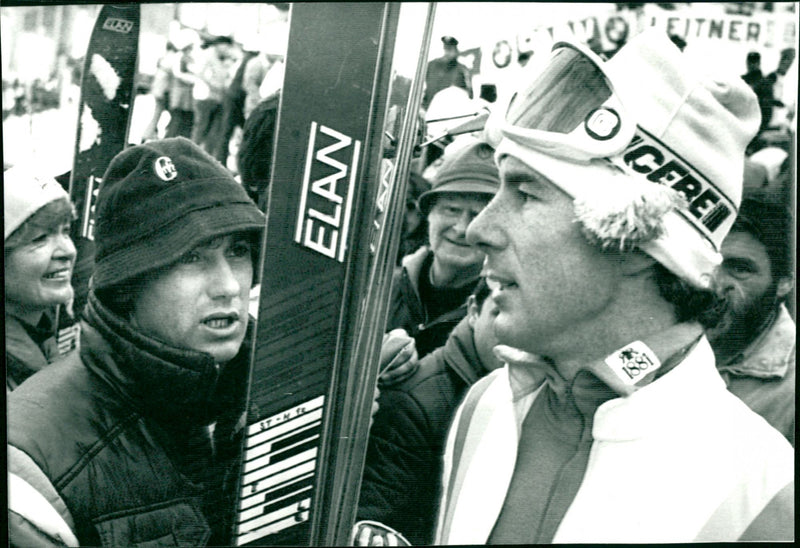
column 207, row 88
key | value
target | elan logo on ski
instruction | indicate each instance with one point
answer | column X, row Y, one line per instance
column 118, row 25
column 327, row 197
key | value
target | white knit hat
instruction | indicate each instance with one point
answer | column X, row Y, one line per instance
column 25, row 192
column 681, row 188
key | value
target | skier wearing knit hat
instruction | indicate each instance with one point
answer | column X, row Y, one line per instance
column 135, row 441
column 619, row 182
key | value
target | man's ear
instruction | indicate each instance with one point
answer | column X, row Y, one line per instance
column 633, row 263
column 472, row 311
column 785, row 285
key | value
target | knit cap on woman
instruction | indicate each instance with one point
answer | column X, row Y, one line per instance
column 25, row 191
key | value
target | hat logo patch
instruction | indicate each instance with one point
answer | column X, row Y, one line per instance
column 603, row 123
column 165, row 169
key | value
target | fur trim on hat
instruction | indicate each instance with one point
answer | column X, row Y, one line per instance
column 624, row 213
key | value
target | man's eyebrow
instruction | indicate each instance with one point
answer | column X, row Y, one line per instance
column 517, row 176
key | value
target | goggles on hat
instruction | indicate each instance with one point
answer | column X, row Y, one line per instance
column 571, row 109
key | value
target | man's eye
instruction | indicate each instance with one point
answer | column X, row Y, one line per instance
column 190, row 257
column 240, row 249
column 40, row 238
column 740, row 268
column 526, row 193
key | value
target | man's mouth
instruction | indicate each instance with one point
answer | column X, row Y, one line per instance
column 458, row 243
column 499, row 283
column 221, row 321
column 61, row 274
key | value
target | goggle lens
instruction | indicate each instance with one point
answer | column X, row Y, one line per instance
column 562, row 96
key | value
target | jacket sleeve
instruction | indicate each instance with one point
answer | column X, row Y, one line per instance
column 37, row 516
column 401, row 472
column 775, row 522
column 24, row 534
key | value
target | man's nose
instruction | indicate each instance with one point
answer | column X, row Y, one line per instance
column 224, row 282
column 463, row 221
column 484, row 231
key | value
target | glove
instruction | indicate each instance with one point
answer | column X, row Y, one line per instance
column 373, row 533
column 399, row 359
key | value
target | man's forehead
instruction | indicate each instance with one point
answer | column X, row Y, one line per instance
column 512, row 171
column 467, row 198
column 743, row 242
column 216, row 241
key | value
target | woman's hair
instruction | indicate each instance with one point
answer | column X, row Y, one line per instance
column 48, row 217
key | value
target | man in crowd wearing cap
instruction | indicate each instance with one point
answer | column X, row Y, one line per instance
column 755, row 343
column 619, row 182
column 135, row 441
column 446, row 71
column 39, row 257
column 430, row 288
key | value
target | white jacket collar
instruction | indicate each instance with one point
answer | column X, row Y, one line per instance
column 679, row 393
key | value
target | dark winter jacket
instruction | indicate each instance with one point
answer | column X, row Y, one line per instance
column 400, row 487
column 24, row 356
column 115, row 446
column 408, row 311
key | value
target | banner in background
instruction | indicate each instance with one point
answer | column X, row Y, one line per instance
column 760, row 30
column 705, row 28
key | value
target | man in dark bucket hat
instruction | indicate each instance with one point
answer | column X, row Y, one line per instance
column 136, row 439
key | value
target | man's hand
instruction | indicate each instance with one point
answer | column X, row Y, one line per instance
column 373, row 533
column 399, row 359
column 375, row 406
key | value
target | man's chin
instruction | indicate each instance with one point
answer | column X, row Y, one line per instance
column 506, row 331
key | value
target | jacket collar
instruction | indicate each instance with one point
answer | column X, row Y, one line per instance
column 685, row 391
column 156, row 378
column 412, row 264
column 29, row 357
column 770, row 355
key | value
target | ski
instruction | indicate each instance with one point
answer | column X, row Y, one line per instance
column 104, row 111
column 345, row 135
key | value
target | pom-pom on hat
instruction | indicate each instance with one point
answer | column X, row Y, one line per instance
column 25, row 191
column 467, row 168
column 681, row 185
column 158, row 201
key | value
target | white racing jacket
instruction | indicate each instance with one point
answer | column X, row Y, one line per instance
column 680, row 460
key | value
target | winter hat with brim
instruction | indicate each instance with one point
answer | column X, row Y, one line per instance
column 467, row 168
column 675, row 190
column 24, row 193
column 158, row 201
